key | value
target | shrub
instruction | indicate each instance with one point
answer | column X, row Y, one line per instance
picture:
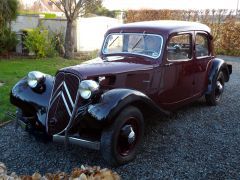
column 39, row 41
column 57, row 40
column 50, row 16
column 8, row 40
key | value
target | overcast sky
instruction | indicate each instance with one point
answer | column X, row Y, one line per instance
column 166, row 4
column 170, row 4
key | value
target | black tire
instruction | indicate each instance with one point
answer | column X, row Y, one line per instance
column 120, row 141
column 215, row 96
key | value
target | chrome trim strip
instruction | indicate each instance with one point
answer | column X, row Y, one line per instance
column 72, row 116
column 55, row 98
column 61, row 92
column 67, row 91
column 57, row 88
column 81, row 142
column 66, row 105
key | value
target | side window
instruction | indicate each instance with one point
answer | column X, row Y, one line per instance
column 180, row 47
column 202, row 45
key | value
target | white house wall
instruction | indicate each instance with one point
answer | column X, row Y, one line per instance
column 90, row 32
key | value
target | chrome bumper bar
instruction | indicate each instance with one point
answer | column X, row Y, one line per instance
column 81, row 142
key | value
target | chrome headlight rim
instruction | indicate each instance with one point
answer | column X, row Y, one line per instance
column 34, row 78
column 87, row 88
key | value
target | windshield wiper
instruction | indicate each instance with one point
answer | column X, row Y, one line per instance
column 139, row 41
column 113, row 41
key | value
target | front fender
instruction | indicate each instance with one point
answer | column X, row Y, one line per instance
column 30, row 101
column 217, row 66
column 113, row 101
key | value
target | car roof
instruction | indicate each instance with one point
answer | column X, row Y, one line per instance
column 161, row 27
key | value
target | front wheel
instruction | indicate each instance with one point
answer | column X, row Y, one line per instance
column 215, row 96
column 120, row 141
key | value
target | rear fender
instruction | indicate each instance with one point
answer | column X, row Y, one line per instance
column 113, row 101
column 31, row 101
column 217, row 66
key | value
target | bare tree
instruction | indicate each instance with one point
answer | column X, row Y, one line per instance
column 72, row 9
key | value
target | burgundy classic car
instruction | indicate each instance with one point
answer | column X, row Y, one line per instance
column 143, row 67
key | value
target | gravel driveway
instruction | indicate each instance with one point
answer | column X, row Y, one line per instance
column 196, row 142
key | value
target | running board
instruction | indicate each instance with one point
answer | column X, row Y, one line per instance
column 81, row 142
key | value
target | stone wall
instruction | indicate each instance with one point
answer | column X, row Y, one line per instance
column 25, row 22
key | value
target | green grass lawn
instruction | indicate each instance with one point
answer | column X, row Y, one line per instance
column 11, row 71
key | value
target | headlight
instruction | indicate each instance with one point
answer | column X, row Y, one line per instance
column 34, row 78
column 87, row 88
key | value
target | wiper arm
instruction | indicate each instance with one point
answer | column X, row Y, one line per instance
column 113, row 41
column 138, row 41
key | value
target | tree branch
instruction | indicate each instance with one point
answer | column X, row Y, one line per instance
column 67, row 6
column 77, row 8
column 59, row 7
column 63, row 3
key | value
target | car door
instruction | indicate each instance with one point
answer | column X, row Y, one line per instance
column 203, row 58
column 177, row 72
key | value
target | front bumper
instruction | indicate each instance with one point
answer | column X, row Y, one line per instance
column 25, row 124
column 20, row 121
column 22, row 124
column 77, row 141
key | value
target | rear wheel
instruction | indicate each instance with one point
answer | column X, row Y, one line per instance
column 120, row 141
column 215, row 96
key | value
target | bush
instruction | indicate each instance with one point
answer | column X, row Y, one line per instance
column 57, row 40
column 8, row 40
column 39, row 42
column 50, row 16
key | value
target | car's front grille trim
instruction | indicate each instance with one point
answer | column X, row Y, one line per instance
column 62, row 103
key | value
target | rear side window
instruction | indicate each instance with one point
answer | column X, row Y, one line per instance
column 180, row 47
column 202, row 45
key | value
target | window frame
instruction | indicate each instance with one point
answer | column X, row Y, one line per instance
column 190, row 33
column 208, row 43
column 139, row 54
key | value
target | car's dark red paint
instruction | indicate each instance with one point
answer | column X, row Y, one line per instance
column 169, row 84
column 132, row 79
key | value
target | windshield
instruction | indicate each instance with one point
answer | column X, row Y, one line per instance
column 133, row 43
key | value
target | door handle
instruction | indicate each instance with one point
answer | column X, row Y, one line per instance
column 146, row 81
column 168, row 64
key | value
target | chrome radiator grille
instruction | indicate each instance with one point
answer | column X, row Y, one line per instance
column 62, row 102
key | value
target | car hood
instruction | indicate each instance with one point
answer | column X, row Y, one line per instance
column 108, row 66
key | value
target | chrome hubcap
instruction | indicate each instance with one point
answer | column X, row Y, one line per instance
column 218, row 90
column 128, row 137
column 131, row 136
column 219, row 87
column 128, row 132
